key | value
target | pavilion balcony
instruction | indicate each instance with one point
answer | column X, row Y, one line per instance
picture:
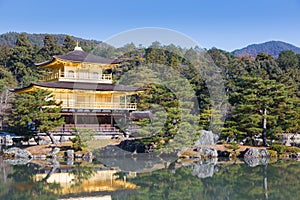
column 79, row 77
column 100, row 105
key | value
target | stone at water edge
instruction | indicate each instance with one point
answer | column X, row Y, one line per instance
column 43, row 140
column 204, row 169
column 17, row 161
column 69, row 153
column 62, row 139
column 17, row 153
column 255, row 156
column 253, row 162
column 208, row 152
column 54, row 151
column 88, row 157
column 207, row 138
column 70, row 161
column 256, row 153
column 134, row 146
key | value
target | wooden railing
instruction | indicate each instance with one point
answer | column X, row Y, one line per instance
column 99, row 105
column 50, row 77
column 103, row 128
column 61, row 76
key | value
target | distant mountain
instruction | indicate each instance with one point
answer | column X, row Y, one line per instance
column 10, row 39
column 273, row 48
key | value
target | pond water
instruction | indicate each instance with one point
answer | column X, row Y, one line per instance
column 210, row 179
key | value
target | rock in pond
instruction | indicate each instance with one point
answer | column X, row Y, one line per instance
column 256, row 153
column 17, row 153
column 207, row 138
column 54, row 151
column 204, row 168
column 207, row 152
column 255, row 156
column 88, row 157
column 69, row 153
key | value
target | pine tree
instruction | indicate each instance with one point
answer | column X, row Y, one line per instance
column 36, row 112
column 68, row 44
column 288, row 60
column 259, row 105
column 4, row 55
column 7, row 81
column 171, row 99
column 20, row 61
column 49, row 49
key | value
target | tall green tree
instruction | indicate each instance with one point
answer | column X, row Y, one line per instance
column 49, row 49
column 20, row 61
column 7, row 81
column 288, row 60
column 266, row 67
column 68, row 44
column 172, row 101
column 258, row 106
column 36, row 112
column 4, row 55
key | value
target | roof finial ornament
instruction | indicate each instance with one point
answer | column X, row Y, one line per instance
column 77, row 46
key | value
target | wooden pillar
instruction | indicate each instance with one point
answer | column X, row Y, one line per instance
column 75, row 118
column 125, row 101
column 112, row 100
column 111, row 120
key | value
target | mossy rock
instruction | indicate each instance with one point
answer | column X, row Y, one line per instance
column 189, row 154
column 233, row 146
column 273, row 154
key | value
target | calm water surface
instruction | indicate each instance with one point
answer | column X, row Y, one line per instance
column 210, row 179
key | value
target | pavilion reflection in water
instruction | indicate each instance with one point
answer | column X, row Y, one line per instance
column 101, row 183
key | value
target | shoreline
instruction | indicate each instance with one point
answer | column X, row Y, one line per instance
column 64, row 151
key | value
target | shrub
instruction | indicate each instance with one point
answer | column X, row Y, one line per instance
column 281, row 149
column 232, row 145
column 81, row 137
column 273, row 154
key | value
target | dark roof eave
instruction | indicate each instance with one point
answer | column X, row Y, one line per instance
column 44, row 63
column 82, row 86
column 20, row 89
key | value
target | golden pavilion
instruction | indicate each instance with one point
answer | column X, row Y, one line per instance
column 89, row 97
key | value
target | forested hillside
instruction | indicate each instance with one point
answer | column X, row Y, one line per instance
column 272, row 48
column 9, row 39
column 262, row 91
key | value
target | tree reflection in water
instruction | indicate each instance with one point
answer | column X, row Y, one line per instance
column 280, row 180
column 81, row 172
column 24, row 185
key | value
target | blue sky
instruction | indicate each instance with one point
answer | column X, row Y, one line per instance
column 225, row 24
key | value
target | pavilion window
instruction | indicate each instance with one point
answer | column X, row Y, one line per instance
column 95, row 75
column 83, row 74
column 108, row 99
column 69, row 119
column 71, row 100
column 71, row 74
column 80, row 99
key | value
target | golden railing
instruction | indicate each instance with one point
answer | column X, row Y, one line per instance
column 50, row 77
column 100, row 105
column 62, row 76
